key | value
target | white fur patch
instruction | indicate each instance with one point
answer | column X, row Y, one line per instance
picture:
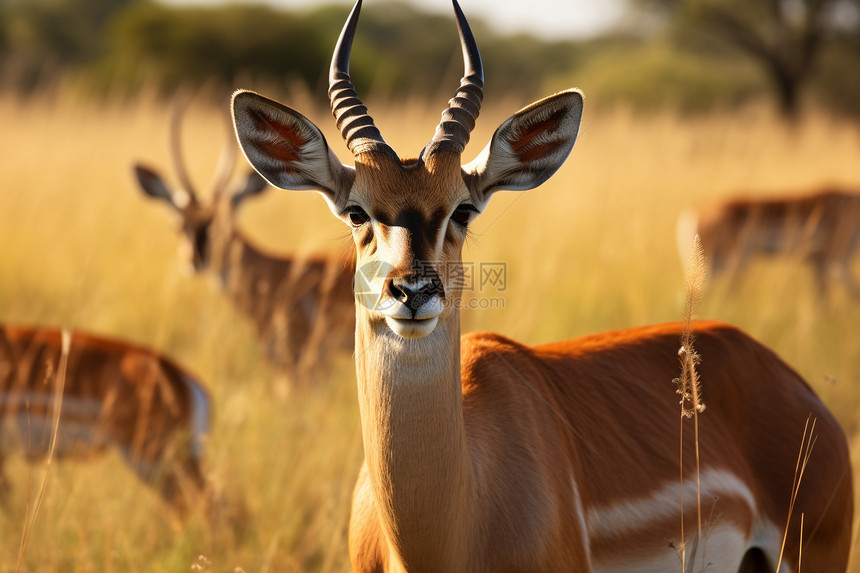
column 580, row 514
column 722, row 551
column 723, row 545
column 200, row 414
column 665, row 502
column 77, row 407
column 31, row 433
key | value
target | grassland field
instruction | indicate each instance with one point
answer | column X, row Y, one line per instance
column 592, row 249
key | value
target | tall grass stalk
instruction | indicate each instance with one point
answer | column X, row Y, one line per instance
column 59, row 385
column 689, row 384
column 807, row 442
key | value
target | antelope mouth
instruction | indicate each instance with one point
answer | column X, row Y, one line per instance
column 412, row 327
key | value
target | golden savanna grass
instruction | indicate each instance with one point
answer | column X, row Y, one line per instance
column 593, row 249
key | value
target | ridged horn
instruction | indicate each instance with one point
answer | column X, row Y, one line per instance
column 178, row 110
column 226, row 161
column 458, row 120
column 355, row 125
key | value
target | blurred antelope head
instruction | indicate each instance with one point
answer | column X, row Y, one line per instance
column 408, row 216
column 200, row 222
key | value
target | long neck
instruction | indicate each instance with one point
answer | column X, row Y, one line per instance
column 414, row 441
column 228, row 250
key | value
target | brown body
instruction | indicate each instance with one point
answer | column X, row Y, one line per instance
column 821, row 227
column 115, row 395
column 485, row 455
column 599, row 412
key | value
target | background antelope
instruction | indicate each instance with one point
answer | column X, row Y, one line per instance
column 483, row 454
column 114, row 395
column 821, row 227
column 295, row 303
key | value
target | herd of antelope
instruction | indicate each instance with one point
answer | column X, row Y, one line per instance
column 481, row 453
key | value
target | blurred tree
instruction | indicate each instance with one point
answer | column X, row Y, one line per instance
column 398, row 49
column 194, row 45
column 44, row 37
column 784, row 37
column 654, row 74
column 837, row 78
column 118, row 46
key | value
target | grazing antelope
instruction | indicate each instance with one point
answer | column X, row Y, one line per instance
column 821, row 227
column 115, row 395
column 297, row 305
column 483, row 454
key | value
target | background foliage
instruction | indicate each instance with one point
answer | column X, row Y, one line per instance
column 677, row 54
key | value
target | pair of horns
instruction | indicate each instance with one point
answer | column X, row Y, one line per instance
column 226, row 161
column 357, row 127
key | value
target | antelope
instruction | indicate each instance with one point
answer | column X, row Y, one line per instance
column 296, row 304
column 115, row 395
column 821, row 227
column 484, row 454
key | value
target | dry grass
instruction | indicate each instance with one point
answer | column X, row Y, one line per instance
column 689, row 385
column 592, row 249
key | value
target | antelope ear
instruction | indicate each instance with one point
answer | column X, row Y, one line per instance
column 528, row 147
column 152, row 184
column 287, row 149
column 254, row 185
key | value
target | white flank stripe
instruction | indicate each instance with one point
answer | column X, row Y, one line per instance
column 723, row 546
column 580, row 514
column 665, row 502
column 721, row 551
column 78, row 407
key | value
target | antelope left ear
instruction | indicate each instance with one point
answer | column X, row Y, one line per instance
column 288, row 149
column 528, row 147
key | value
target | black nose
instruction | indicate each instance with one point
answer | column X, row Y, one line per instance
column 414, row 298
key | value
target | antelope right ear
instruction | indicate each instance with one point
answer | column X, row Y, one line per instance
column 254, row 185
column 528, row 147
column 288, row 149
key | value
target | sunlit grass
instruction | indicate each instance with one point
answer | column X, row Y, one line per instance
column 592, row 249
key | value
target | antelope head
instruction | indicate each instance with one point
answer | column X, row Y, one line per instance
column 408, row 216
column 197, row 218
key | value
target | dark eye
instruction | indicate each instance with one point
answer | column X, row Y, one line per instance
column 463, row 214
column 357, row 216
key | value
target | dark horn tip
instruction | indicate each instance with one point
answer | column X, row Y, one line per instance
column 340, row 61
column 458, row 119
column 356, row 126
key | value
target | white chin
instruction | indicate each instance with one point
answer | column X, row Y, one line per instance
column 411, row 328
